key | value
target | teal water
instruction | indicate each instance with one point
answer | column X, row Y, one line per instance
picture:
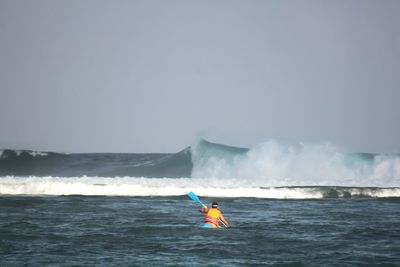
column 164, row 231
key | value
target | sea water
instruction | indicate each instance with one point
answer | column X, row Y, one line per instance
column 305, row 205
column 165, row 231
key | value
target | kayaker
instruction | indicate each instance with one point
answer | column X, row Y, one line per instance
column 213, row 216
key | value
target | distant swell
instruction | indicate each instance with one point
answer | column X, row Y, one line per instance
column 31, row 163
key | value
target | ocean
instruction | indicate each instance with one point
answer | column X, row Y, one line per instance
column 288, row 205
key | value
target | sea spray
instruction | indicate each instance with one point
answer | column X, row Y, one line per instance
column 275, row 164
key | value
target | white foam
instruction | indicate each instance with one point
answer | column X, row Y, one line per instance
column 274, row 164
column 137, row 186
column 37, row 153
column 376, row 192
column 32, row 153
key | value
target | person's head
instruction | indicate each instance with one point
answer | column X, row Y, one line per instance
column 214, row 205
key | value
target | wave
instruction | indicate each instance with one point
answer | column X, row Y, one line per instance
column 36, row 163
column 134, row 186
column 269, row 164
column 275, row 164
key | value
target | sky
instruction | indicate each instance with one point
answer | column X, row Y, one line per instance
column 154, row 76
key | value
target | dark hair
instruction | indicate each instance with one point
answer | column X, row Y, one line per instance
column 214, row 204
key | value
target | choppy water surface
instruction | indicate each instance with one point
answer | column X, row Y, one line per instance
column 160, row 231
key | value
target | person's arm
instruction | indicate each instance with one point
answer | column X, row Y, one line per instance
column 221, row 217
column 203, row 209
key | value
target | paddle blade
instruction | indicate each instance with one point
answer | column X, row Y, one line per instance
column 194, row 197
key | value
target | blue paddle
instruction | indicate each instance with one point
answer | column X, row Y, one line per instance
column 195, row 198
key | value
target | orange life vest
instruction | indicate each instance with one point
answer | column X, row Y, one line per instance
column 212, row 216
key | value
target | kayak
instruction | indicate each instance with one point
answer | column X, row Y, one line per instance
column 208, row 225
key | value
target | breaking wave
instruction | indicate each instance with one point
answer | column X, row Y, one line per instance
column 275, row 164
column 134, row 186
column 269, row 170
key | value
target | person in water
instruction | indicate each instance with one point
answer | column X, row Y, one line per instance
column 213, row 216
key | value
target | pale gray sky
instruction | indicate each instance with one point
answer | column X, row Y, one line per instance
column 151, row 76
